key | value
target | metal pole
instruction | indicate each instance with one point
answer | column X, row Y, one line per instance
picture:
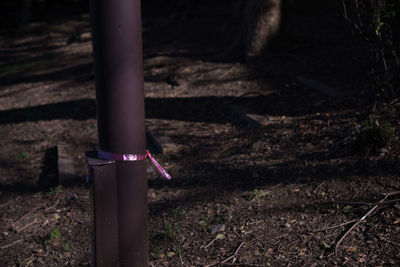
column 117, row 43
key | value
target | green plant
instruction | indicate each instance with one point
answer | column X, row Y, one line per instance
column 376, row 21
column 270, row 196
column 91, row 127
column 203, row 225
column 54, row 234
column 171, row 231
column 169, row 228
column 155, row 253
column 383, row 12
column 253, row 194
column 177, row 212
column 21, row 156
column 18, row 68
column 222, row 217
column 373, row 136
column 348, row 209
column 54, row 190
column 67, row 247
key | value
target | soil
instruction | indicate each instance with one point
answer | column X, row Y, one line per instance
column 245, row 192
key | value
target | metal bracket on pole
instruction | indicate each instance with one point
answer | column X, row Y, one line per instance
column 103, row 194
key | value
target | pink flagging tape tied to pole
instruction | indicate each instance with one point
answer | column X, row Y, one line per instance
column 133, row 157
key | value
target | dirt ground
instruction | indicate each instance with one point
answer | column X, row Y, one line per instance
column 264, row 173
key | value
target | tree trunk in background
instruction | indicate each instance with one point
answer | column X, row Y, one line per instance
column 263, row 21
column 260, row 27
column 25, row 12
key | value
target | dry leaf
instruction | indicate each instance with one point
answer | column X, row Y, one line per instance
column 170, row 254
column 351, row 249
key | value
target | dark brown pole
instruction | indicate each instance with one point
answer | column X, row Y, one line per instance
column 117, row 42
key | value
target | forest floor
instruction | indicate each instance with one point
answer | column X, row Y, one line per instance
column 264, row 170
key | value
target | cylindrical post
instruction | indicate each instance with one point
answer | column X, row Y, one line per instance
column 117, row 42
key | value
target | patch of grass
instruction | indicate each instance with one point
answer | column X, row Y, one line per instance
column 67, row 247
column 270, row 196
column 373, row 136
column 21, row 156
column 171, row 231
column 54, row 190
column 155, row 253
column 177, row 212
column 254, row 193
column 92, row 127
column 347, row 209
column 259, row 193
column 222, row 217
column 54, row 234
column 169, row 228
column 203, row 225
column 18, row 68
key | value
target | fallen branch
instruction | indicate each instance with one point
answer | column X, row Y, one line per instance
column 227, row 73
column 364, row 217
column 335, row 226
column 53, row 206
column 234, row 254
column 361, row 203
column 22, row 228
column 219, row 236
column 225, row 262
column 13, row 225
column 12, row 243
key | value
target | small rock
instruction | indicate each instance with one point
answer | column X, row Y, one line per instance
column 286, row 225
column 216, row 228
column 383, row 151
column 73, row 198
column 5, row 234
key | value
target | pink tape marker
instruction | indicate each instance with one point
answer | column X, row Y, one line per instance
column 133, row 157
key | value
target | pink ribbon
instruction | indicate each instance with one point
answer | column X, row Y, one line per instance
column 133, row 157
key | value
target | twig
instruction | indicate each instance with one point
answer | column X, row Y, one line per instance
column 262, row 194
column 234, row 254
column 53, row 206
column 24, row 262
column 25, row 215
column 361, row 203
column 394, row 101
column 335, row 226
column 224, row 262
column 364, row 217
column 227, row 73
column 250, row 93
column 212, row 242
column 12, row 244
column 19, row 230
column 360, row 32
